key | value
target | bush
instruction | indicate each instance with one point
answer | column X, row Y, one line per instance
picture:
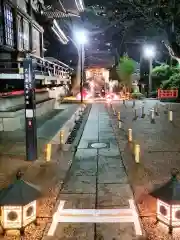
column 137, row 96
column 166, row 84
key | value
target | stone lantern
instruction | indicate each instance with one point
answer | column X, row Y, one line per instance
column 168, row 203
column 18, row 204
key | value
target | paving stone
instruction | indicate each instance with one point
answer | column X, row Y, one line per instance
column 114, row 195
column 80, row 184
column 109, row 152
column 88, row 168
column 78, row 201
column 112, row 175
column 109, row 162
column 75, row 231
column 115, row 231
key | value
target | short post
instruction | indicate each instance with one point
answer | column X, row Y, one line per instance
column 170, row 116
column 137, row 153
column 135, row 114
column 61, row 137
column 119, row 119
column 142, row 112
column 134, row 104
column 114, row 111
column 48, row 152
column 119, row 116
column 129, row 135
column 156, row 109
column 152, row 116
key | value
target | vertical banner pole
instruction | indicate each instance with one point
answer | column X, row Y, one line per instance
column 30, row 109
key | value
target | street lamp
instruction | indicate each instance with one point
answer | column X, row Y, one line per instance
column 150, row 52
column 81, row 39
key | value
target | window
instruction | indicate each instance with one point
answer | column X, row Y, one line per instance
column 9, row 31
column 26, row 34
column 23, row 34
column 36, row 42
column 20, row 33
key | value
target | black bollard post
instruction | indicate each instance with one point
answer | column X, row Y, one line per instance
column 142, row 112
column 134, row 103
column 135, row 115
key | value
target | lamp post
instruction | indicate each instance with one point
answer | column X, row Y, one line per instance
column 149, row 52
column 81, row 39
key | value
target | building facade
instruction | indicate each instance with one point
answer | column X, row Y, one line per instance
column 19, row 30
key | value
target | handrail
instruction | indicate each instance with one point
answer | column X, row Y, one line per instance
column 45, row 60
column 43, row 67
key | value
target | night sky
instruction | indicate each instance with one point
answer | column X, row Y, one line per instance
column 114, row 27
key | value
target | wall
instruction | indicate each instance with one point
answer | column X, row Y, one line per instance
column 8, row 103
column 17, row 121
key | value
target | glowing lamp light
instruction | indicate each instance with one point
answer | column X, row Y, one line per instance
column 18, row 210
column 81, row 37
column 168, row 202
column 149, row 51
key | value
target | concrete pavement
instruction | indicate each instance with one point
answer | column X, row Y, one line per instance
column 96, row 180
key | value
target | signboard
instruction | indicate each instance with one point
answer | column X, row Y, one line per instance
column 165, row 94
column 30, row 109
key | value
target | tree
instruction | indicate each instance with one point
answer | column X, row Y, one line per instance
column 125, row 69
column 166, row 77
column 155, row 18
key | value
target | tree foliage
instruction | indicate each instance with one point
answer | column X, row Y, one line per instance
column 125, row 68
column 166, row 76
column 153, row 18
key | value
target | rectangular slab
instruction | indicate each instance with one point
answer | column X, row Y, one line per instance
column 112, row 175
column 88, row 168
column 80, row 184
column 78, row 201
column 79, row 231
column 122, row 231
column 114, row 195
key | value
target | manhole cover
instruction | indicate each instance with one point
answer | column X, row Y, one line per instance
column 98, row 145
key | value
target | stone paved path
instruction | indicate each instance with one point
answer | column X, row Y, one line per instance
column 97, row 180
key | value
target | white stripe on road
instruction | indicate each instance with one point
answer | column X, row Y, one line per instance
column 55, row 219
column 128, row 215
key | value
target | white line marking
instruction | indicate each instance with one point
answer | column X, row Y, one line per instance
column 137, row 224
column 128, row 215
column 54, row 223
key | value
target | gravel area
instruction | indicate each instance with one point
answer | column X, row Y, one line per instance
column 160, row 153
column 48, row 176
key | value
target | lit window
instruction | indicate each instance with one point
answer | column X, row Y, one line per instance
column 9, row 31
column 23, row 34
column 26, row 34
column 36, row 41
column 20, row 34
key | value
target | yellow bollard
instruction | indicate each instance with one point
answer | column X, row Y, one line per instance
column 170, row 116
column 61, row 137
column 48, row 152
column 119, row 116
column 137, row 153
column 130, row 135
